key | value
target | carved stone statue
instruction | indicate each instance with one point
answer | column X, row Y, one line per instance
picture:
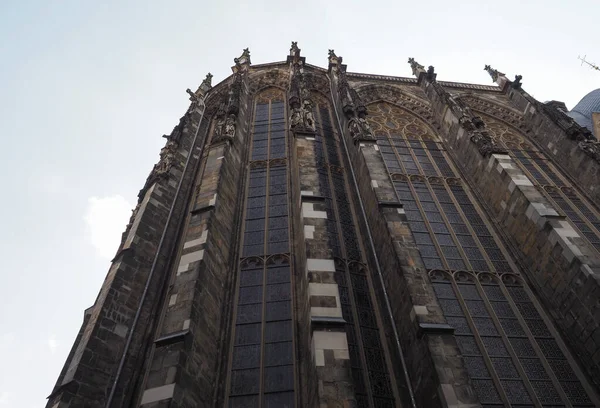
column 302, row 119
column 208, row 79
column 516, row 84
column 366, row 127
column 296, row 117
column 309, row 119
column 230, row 126
column 485, row 143
column 416, row 67
column 354, row 128
column 294, row 50
column 360, row 129
column 431, row 73
column 244, row 58
column 458, row 106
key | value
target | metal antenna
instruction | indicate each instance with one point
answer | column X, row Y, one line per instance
column 591, row 64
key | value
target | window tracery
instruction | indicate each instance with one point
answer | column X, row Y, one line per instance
column 512, row 355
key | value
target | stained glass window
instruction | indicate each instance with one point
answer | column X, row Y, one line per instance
column 512, row 355
column 263, row 357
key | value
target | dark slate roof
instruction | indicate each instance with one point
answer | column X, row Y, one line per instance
column 582, row 112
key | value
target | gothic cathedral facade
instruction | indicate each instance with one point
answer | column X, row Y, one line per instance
column 314, row 237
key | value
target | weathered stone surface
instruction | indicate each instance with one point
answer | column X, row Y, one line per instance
column 368, row 324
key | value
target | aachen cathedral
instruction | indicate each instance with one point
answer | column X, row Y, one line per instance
column 312, row 237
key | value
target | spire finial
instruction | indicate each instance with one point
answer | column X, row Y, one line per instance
column 208, row 80
column 497, row 76
column 494, row 73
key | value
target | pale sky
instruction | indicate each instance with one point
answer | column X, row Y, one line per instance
column 89, row 87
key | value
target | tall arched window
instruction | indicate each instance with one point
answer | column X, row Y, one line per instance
column 511, row 351
column 263, row 352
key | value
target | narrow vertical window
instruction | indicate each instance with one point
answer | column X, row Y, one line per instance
column 263, row 358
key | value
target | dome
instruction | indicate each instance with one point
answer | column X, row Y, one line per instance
column 582, row 112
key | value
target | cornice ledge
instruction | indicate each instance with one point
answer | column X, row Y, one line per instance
column 382, row 77
column 492, row 88
column 268, row 65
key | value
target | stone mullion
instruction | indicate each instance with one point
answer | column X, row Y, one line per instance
column 513, row 356
column 470, row 227
column 532, row 341
column 426, row 221
column 482, row 348
column 261, row 371
column 457, row 244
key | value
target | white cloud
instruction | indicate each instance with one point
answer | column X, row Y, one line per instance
column 106, row 218
column 52, row 343
column 5, row 398
column 6, row 340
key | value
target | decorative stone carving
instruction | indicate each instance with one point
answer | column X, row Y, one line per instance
column 591, row 148
column 494, row 73
column 344, row 94
column 233, row 104
column 302, row 119
column 474, row 125
column 416, row 67
column 225, row 126
column 294, row 50
column 333, row 59
column 205, row 86
column 162, row 168
column 516, row 84
column 573, row 130
column 360, row 130
column 244, row 58
column 483, row 140
column 431, row 75
column 354, row 128
column 195, row 100
column 301, row 105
